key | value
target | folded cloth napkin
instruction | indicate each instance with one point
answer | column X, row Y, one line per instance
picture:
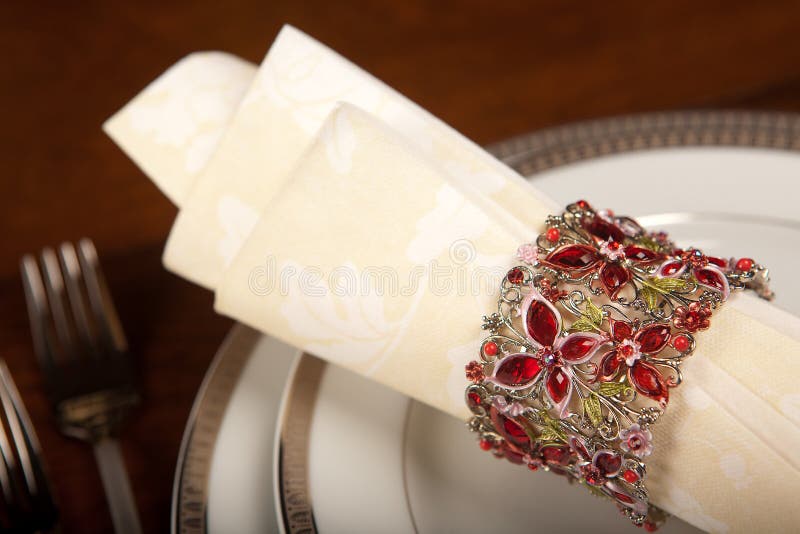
column 325, row 173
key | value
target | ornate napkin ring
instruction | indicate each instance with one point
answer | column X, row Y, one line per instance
column 588, row 338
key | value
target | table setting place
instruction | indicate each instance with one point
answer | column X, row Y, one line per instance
column 589, row 328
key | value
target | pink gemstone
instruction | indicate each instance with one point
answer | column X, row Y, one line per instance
column 653, row 338
column 614, row 277
column 558, row 385
column 573, row 258
column 518, row 370
column 542, row 323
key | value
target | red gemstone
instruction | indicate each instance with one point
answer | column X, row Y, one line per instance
column 574, row 258
column 671, row 268
column 621, row 330
column 490, row 348
column 744, row 264
column 719, row 262
column 473, row 400
column 614, row 277
column 603, row 229
column 712, row 278
column 509, row 429
column 517, row 370
column 641, row 254
column 552, row 234
column 512, row 456
column 558, row 385
column 630, row 476
column 648, row 381
column 516, row 276
column 608, row 463
column 532, row 466
column 556, row 454
column 579, row 448
column 649, row 526
column 577, row 347
column 592, row 475
column 582, row 204
column 653, row 338
column 485, row 444
column 681, row 343
column 609, row 366
column 542, row 323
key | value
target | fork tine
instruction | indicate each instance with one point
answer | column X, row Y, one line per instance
column 22, row 434
column 100, row 297
column 71, row 269
column 33, row 504
column 38, row 315
column 54, row 283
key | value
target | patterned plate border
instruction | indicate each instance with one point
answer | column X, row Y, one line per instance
column 528, row 155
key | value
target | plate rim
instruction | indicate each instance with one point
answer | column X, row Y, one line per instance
column 528, row 154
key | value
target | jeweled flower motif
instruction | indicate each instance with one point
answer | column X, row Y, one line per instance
column 636, row 440
column 632, row 345
column 709, row 271
column 612, row 250
column 474, row 372
column 696, row 316
column 608, row 258
column 528, row 253
column 554, row 357
column 551, row 291
column 602, row 470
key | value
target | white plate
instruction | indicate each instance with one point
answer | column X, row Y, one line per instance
column 391, row 465
column 362, row 478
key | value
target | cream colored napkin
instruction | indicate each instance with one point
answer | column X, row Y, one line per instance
column 363, row 197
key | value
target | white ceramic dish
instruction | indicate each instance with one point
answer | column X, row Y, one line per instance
column 726, row 182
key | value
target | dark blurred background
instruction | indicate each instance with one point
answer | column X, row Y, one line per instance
column 490, row 69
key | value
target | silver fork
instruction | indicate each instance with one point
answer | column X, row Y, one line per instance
column 83, row 353
column 27, row 504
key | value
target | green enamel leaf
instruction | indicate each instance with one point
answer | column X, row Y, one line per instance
column 649, row 243
column 593, row 313
column 551, row 434
column 666, row 285
column 591, row 408
column 649, row 296
column 582, row 325
column 609, row 389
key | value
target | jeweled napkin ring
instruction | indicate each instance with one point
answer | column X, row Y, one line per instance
column 586, row 343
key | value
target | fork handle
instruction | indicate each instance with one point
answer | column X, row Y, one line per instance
column 109, row 459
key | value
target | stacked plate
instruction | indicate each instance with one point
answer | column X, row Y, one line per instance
column 281, row 441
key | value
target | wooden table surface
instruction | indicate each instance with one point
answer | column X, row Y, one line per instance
column 490, row 69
